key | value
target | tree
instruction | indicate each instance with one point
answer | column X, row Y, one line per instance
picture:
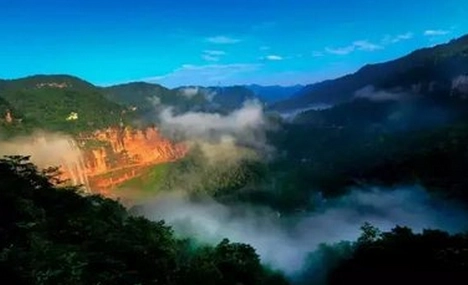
column 51, row 234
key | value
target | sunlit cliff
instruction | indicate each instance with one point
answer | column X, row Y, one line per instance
column 100, row 161
column 115, row 155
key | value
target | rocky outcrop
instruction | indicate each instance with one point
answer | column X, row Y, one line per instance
column 115, row 155
column 99, row 161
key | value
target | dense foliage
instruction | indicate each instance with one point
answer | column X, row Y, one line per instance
column 53, row 235
column 47, row 102
column 420, row 141
column 274, row 93
column 392, row 257
column 150, row 99
column 196, row 175
column 401, row 256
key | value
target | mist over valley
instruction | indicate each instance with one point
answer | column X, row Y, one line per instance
column 261, row 165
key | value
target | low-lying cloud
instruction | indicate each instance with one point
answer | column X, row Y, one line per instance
column 284, row 242
column 460, row 84
column 190, row 92
column 236, row 132
column 202, row 125
column 49, row 150
column 373, row 94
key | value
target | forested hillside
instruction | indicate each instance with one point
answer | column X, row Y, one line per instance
column 425, row 71
column 54, row 235
column 59, row 103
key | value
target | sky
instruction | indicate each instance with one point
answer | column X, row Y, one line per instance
column 217, row 42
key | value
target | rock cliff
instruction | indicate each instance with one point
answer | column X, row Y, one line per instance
column 100, row 160
column 115, row 155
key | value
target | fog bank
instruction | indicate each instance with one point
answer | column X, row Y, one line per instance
column 284, row 242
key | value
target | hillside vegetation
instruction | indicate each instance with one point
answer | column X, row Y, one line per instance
column 59, row 103
column 150, row 98
column 424, row 71
column 53, row 235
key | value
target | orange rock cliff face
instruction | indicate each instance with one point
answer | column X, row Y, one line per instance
column 116, row 155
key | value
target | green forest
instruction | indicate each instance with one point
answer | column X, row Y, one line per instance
column 55, row 235
column 51, row 233
column 34, row 106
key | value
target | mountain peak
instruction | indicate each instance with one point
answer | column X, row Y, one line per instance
column 429, row 69
column 55, row 81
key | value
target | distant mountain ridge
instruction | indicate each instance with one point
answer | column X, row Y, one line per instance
column 149, row 97
column 274, row 93
column 46, row 101
column 423, row 71
column 442, row 69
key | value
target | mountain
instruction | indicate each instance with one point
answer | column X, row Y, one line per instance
column 98, row 145
column 61, row 81
column 426, row 71
column 232, row 97
column 53, row 235
column 103, row 147
column 217, row 98
column 274, row 93
column 60, row 103
column 136, row 93
column 148, row 97
column 387, row 124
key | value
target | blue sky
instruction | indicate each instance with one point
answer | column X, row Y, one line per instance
column 210, row 42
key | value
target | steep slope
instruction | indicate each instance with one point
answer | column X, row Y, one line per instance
column 99, row 147
column 116, row 155
column 408, row 119
column 53, row 235
column 425, row 71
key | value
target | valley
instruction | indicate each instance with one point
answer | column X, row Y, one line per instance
column 125, row 132
column 314, row 184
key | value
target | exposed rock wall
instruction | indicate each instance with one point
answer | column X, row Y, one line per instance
column 99, row 160
column 115, row 155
